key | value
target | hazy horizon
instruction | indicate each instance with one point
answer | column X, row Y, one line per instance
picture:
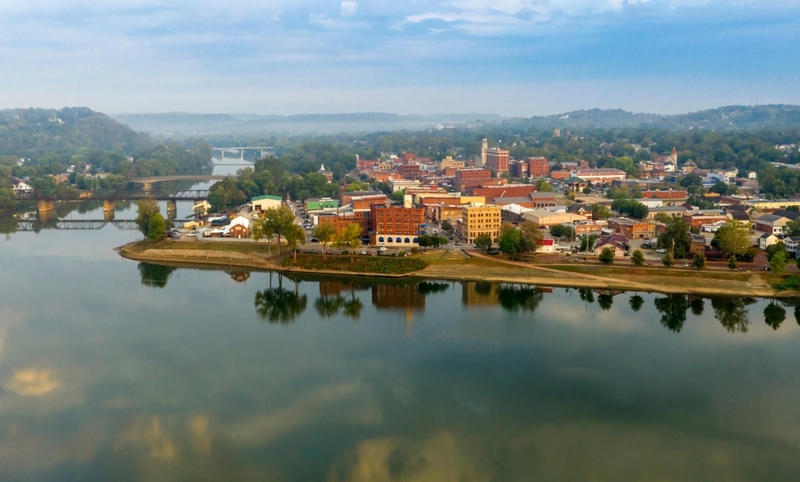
column 514, row 58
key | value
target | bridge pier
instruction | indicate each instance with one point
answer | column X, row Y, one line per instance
column 108, row 206
column 46, row 206
column 147, row 186
column 108, row 216
column 172, row 210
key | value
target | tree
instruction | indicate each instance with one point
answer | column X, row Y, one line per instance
column 779, row 261
column 398, row 196
column 607, row 255
column 531, row 236
column 483, row 241
column 699, row 260
column 446, row 226
column 732, row 238
column 145, row 210
column 637, row 258
column 631, row 208
column 775, row 249
column 510, row 242
column 294, row 235
column 157, row 229
column 732, row 263
column 562, row 231
column 587, row 243
column 587, row 190
column 668, row 260
column 792, row 228
column 600, row 212
column 352, row 239
column 278, row 222
column 325, row 232
column 543, row 186
column 676, row 238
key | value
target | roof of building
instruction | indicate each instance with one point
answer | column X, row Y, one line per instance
column 793, row 215
column 770, row 218
column 262, row 198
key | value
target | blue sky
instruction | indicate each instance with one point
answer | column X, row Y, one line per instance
column 510, row 57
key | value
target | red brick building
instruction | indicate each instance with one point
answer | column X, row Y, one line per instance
column 538, row 167
column 509, row 190
column 395, row 225
column 409, row 171
column 341, row 221
column 497, row 159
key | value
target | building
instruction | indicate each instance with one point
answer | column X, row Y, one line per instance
column 401, row 184
column 538, row 167
column 532, row 200
column 342, row 220
column 450, row 163
column 484, row 148
column 700, row 220
column 545, row 218
column 771, row 223
column 409, row 171
column 617, row 242
column 600, row 176
column 632, row 228
column 497, row 159
column 697, row 244
column 792, row 245
column 262, row 203
column 239, row 227
column 395, row 225
column 766, row 240
column 477, row 220
column 347, row 196
column 518, row 169
column 668, row 196
column 366, row 202
column 321, row 204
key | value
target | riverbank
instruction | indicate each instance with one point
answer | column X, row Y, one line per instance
column 457, row 266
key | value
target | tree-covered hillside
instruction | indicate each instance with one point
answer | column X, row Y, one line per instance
column 36, row 133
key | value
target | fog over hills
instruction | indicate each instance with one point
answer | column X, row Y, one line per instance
column 777, row 117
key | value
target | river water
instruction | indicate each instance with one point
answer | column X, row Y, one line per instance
column 115, row 370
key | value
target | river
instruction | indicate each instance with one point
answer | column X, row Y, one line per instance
column 115, row 370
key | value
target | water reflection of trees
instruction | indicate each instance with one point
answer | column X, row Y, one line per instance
column 697, row 305
column 155, row 275
column 516, row 298
column 732, row 313
column 586, row 295
column 330, row 306
column 636, row 302
column 774, row 315
column 605, row 300
column 280, row 305
column 673, row 311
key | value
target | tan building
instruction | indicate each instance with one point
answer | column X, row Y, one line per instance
column 545, row 218
column 477, row 220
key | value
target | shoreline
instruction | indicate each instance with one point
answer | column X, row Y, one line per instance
column 500, row 272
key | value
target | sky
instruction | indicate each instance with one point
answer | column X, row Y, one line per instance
column 507, row 57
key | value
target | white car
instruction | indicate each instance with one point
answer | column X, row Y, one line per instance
column 661, row 250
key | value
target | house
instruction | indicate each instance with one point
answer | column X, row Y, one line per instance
column 766, row 240
column 262, row 203
column 771, row 223
column 792, row 245
column 238, row 228
column 22, row 187
column 616, row 242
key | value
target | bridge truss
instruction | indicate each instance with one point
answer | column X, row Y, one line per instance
column 183, row 195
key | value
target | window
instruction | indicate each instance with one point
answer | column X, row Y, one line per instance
column 380, row 240
column 407, row 240
column 389, row 239
column 416, row 240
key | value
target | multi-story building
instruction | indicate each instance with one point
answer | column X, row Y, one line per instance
column 538, row 167
column 603, row 175
column 497, row 159
column 631, row 228
column 341, row 221
column 450, row 163
column 409, row 170
column 395, row 225
column 518, row 169
column 480, row 219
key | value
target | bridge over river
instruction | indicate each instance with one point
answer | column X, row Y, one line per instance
column 46, row 202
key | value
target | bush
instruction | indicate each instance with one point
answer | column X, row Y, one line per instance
column 360, row 264
column 732, row 263
column 414, row 250
column 792, row 283
column 607, row 256
column 637, row 258
column 699, row 260
column 668, row 260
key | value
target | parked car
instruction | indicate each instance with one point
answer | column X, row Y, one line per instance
column 661, row 250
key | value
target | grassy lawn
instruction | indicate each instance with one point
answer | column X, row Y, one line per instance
column 261, row 248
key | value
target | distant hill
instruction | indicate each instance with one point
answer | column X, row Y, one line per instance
column 39, row 132
column 181, row 124
column 776, row 117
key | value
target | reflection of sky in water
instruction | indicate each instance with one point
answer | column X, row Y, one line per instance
column 103, row 378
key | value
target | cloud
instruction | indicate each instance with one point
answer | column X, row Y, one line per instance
column 32, row 382
column 348, row 8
